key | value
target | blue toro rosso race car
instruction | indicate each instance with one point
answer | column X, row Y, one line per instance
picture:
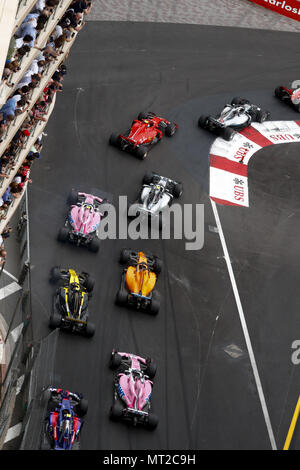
column 63, row 421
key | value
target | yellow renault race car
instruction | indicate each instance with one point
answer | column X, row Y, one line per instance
column 138, row 281
column 70, row 305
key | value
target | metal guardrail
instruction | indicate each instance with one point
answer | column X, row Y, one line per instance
column 22, row 315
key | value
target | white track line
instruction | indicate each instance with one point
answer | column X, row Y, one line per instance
column 245, row 329
column 9, row 289
column 10, row 275
column 13, row 432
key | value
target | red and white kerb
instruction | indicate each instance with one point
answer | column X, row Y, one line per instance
column 229, row 160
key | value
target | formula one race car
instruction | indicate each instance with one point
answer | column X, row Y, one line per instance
column 63, row 422
column 138, row 281
column 83, row 220
column 70, row 305
column 145, row 132
column 133, row 389
column 156, row 195
column 289, row 95
column 235, row 116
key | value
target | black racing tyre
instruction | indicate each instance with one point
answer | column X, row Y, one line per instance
column 148, row 177
column 55, row 274
column 82, row 407
column 151, row 369
column 202, row 121
column 170, row 129
column 89, row 284
column 63, row 234
column 262, row 116
column 114, row 140
column 90, row 330
column 94, row 245
column 157, row 266
column 154, row 306
column 55, row 320
column 227, row 133
column 116, row 411
column 142, row 116
column 115, row 361
column 124, row 256
column 73, row 197
column 151, row 422
column 177, row 191
column 141, row 152
column 297, row 107
column 278, row 92
column 239, row 101
column 45, row 445
column 46, row 396
column 121, row 297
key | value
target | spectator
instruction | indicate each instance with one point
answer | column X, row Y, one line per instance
column 12, row 105
column 3, row 210
column 6, row 232
column 3, row 254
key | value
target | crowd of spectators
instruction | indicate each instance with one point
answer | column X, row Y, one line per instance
column 24, row 40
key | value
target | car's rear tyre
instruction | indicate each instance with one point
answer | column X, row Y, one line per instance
column 89, row 284
column 202, row 121
column 239, row 101
column 151, row 368
column 121, row 298
column 227, row 133
column 90, row 330
column 154, row 306
column 114, row 140
column 148, row 177
column 157, row 266
column 142, row 115
column 56, row 274
column 152, row 422
column 141, row 152
column 124, row 256
column 170, row 129
column 262, row 116
column 115, row 361
column 278, row 92
column 116, row 411
column 297, row 107
column 94, row 245
column 63, row 234
column 73, row 197
column 82, row 407
column 55, row 320
column 177, row 191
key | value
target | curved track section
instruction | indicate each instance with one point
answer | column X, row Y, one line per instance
column 204, row 392
column 229, row 160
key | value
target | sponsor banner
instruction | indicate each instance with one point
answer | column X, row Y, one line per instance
column 289, row 8
column 229, row 160
column 279, row 132
column 228, row 187
column 240, row 149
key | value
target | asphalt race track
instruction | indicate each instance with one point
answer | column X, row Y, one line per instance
column 204, row 394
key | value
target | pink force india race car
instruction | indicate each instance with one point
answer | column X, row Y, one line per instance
column 133, row 389
column 83, row 220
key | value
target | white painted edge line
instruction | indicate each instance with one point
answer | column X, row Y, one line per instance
column 10, row 275
column 9, row 289
column 13, row 432
column 245, row 329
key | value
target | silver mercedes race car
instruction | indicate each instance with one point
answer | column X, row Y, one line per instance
column 235, row 116
column 156, row 195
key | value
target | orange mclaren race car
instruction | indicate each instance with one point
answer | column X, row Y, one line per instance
column 138, row 281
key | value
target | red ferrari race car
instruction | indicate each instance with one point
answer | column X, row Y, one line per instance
column 290, row 95
column 145, row 131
